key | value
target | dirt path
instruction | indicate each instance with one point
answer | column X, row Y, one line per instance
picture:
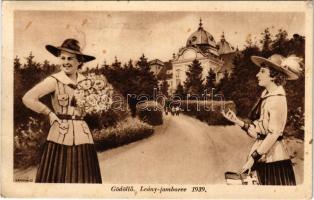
column 183, row 150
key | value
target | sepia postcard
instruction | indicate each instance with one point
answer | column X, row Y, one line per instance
column 161, row 100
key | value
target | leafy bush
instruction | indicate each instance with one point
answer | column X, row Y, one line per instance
column 211, row 114
column 150, row 112
column 29, row 140
column 126, row 131
column 295, row 124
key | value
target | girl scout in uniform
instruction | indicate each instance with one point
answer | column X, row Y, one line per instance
column 268, row 155
column 69, row 155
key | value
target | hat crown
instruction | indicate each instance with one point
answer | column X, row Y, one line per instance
column 276, row 58
column 71, row 44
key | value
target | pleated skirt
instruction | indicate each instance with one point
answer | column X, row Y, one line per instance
column 68, row 164
column 275, row 173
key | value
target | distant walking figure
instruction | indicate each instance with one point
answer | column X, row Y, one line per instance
column 177, row 110
column 268, row 155
column 173, row 111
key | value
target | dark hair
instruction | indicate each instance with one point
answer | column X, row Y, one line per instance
column 81, row 60
column 279, row 77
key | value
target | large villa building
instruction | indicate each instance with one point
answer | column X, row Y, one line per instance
column 202, row 46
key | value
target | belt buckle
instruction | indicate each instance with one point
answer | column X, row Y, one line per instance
column 73, row 117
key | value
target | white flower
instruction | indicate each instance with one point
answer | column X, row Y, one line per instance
column 293, row 63
column 99, row 84
column 85, row 84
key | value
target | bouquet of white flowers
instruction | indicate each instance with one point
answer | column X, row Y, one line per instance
column 94, row 94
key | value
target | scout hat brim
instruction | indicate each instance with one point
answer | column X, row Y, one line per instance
column 57, row 50
column 264, row 62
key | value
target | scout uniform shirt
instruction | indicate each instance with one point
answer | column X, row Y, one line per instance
column 70, row 131
column 272, row 120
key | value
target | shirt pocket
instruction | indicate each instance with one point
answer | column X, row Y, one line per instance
column 63, row 99
column 63, row 128
column 85, row 128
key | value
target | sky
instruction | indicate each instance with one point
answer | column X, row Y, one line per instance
column 129, row 34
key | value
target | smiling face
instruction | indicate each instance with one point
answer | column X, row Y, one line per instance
column 69, row 62
column 263, row 77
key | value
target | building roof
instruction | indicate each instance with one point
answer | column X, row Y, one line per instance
column 201, row 38
column 223, row 46
column 156, row 62
column 165, row 71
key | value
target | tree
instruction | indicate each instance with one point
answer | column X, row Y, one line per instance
column 194, row 81
column 143, row 64
column 180, row 91
column 25, row 78
column 146, row 80
column 242, row 85
column 132, row 81
column 17, row 64
column 223, row 86
column 266, row 43
column 116, row 65
column 49, row 68
column 296, row 46
column 164, row 87
column 210, row 80
column 130, row 66
column 280, row 43
column 249, row 41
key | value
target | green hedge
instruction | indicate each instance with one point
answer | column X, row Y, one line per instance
column 211, row 114
column 127, row 131
column 150, row 112
column 29, row 140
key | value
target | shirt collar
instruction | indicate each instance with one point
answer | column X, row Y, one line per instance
column 278, row 92
column 63, row 78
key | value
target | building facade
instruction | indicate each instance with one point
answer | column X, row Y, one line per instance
column 201, row 46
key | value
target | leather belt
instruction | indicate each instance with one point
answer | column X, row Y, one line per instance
column 262, row 137
column 70, row 117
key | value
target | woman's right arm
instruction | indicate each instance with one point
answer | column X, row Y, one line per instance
column 250, row 128
column 31, row 98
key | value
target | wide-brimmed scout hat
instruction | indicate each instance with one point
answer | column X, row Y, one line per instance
column 71, row 46
column 289, row 66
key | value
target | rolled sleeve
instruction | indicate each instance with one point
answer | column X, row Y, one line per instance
column 31, row 98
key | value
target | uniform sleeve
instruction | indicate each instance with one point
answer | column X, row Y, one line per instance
column 277, row 119
column 31, row 98
column 252, row 128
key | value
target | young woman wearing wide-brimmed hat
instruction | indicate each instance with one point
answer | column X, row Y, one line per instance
column 268, row 155
column 69, row 155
